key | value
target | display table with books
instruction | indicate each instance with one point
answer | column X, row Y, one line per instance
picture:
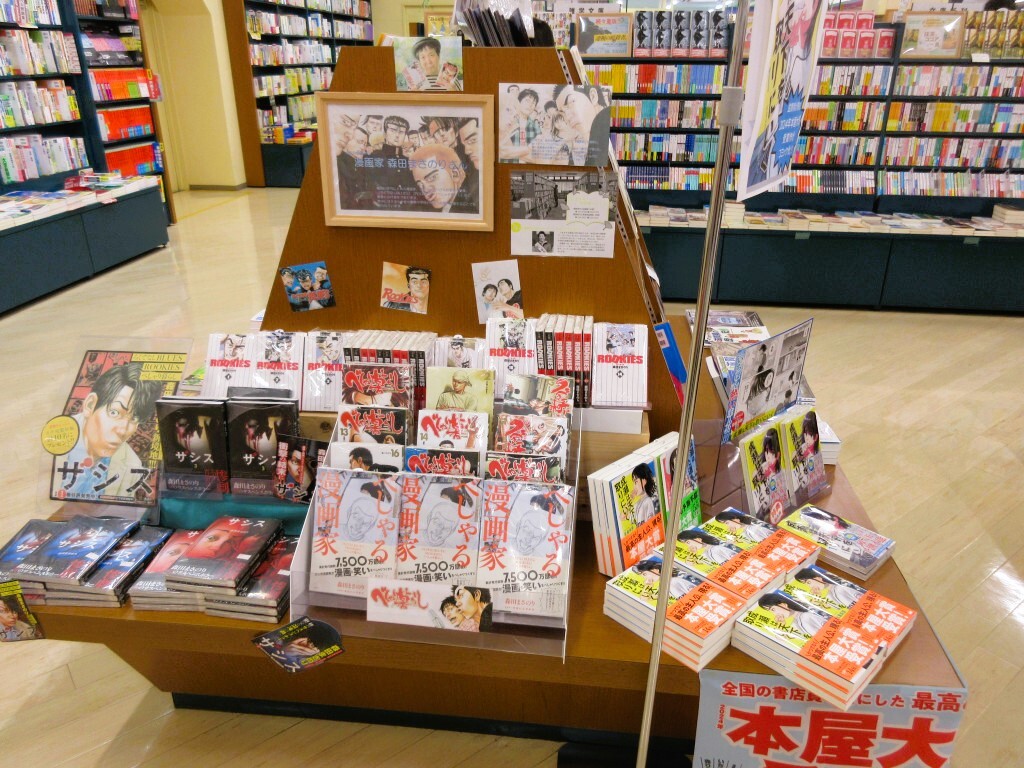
column 208, row 661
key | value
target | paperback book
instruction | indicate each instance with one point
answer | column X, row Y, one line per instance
column 528, row 393
column 764, row 480
column 373, row 424
column 619, row 373
column 465, row 430
column 119, row 569
column 442, row 461
column 525, row 547
column 460, row 389
column 255, row 426
column 224, row 555
column 512, row 348
column 355, row 530
column 324, row 360
column 150, row 589
column 377, row 384
column 523, row 468
column 17, row 622
column 32, row 536
column 194, row 441
column 531, row 434
column 738, row 528
column 265, row 595
column 229, row 363
column 110, row 453
column 295, row 471
column 368, row 457
column 846, row 545
column 438, row 528
column 802, row 461
column 278, row 361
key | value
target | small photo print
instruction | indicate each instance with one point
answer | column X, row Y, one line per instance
column 543, row 241
column 307, row 286
column 498, row 289
column 405, row 288
column 428, row 63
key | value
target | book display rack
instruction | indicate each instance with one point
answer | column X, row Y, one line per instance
column 281, row 54
column 596, row 690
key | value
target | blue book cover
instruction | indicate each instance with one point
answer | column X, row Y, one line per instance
column 73, row 554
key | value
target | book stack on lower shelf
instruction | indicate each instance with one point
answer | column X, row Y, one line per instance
column 25, row 207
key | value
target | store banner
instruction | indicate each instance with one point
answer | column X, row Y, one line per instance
column 784, row 46
column 764, row 721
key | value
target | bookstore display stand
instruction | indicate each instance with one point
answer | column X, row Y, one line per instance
column 596, row 692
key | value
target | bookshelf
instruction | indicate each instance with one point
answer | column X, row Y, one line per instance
column 884, row 131
column 281, row 54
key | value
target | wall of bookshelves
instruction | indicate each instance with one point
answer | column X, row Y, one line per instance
column 281, row 54
column 879, row 130
column 75, row 92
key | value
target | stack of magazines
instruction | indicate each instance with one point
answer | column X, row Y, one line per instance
column 150, row 591
column 108, row 584
column 847, row 546
column 700, row 614
column 264, row 597
column 824, row 633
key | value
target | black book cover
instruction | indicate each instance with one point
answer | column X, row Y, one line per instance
column 194, row 441
column 254, row 428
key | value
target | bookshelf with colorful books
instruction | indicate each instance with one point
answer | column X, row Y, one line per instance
column 281, row 54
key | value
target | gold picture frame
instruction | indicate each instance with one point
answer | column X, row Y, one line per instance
column 932, row 35
column 407, row 160
column 618, row 27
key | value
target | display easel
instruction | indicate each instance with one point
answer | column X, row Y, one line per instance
column 608, row 289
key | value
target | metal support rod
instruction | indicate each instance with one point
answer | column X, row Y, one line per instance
column 728, row 119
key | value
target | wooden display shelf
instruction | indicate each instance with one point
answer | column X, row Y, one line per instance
column 599, row 687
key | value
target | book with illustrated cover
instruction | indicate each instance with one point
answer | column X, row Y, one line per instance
column 637, row 524
column 440, row 605
column 17, row 622
column 525, row 544
column 460, row 389
column 662, row 29
column 680, row 33
column 229, row 363
column 460, row 352
column 270, row 582
column 738, row 528
column 194, row 441
column 689, row 513
column 116, row 572
column 764, row 479
column 388, row 458
column 802, row 462
column 71, row 555
column 225, row 554
column 279, row 357
column 524, row 468
column 640, row 582
column 373, row 424
column 538, row 394
column 511, row 348
column 619, row 374
column 152, row 580
column 531, row 434
column 33, row 535
column 380, row 384
column 324, row 360
column 783, row 620
column 295, row 471
column 766, row 380
column 301, row 644
column 442, row 461
column 438, row 528
column 465, row 430
column 112, row 451
column 703, row 553
column 355, row 517
column 643, row 33
column 847, row 546
column 254, row 428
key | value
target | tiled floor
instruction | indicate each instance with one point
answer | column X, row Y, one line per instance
column 930, row 409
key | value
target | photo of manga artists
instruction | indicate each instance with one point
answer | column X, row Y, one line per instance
column 413, row 162
column 307, row 286
column 553, row 124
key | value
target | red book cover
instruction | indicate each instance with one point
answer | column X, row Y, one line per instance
column 270, row 581
column 830, row 43
column 846, row 20
column 847, row 44
column 225, row 553
column 885, row 41
column 865, row 20
column 865, row 44
column 830, row 20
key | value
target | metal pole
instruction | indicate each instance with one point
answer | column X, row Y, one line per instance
column 728, row 119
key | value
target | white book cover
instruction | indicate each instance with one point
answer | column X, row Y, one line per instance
column 511, row 348
column 620, row 364
column 368, row 457
column 279, row 356
column 452, row 429
column 438, row 528
column 321, row 385
column 229, row 363
column 356, row 530
column 525, row 546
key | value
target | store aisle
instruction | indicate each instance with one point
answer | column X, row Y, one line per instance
column 930, row 408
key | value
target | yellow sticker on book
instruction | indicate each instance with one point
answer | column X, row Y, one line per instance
column 60, row 435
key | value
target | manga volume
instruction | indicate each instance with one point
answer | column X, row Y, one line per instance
column 224, row 555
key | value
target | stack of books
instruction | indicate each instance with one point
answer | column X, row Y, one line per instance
column 108, row 585
column 700, row 614
column 150, row 591
column 1009, row 213
column 72, row 553
column 847, row 546
column 224, row 556
column 826, row 634
column 264, row 597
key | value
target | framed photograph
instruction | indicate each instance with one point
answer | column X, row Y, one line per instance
column 608, row 34
column 428, row 63
column 933, row 35
column 407, row 160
